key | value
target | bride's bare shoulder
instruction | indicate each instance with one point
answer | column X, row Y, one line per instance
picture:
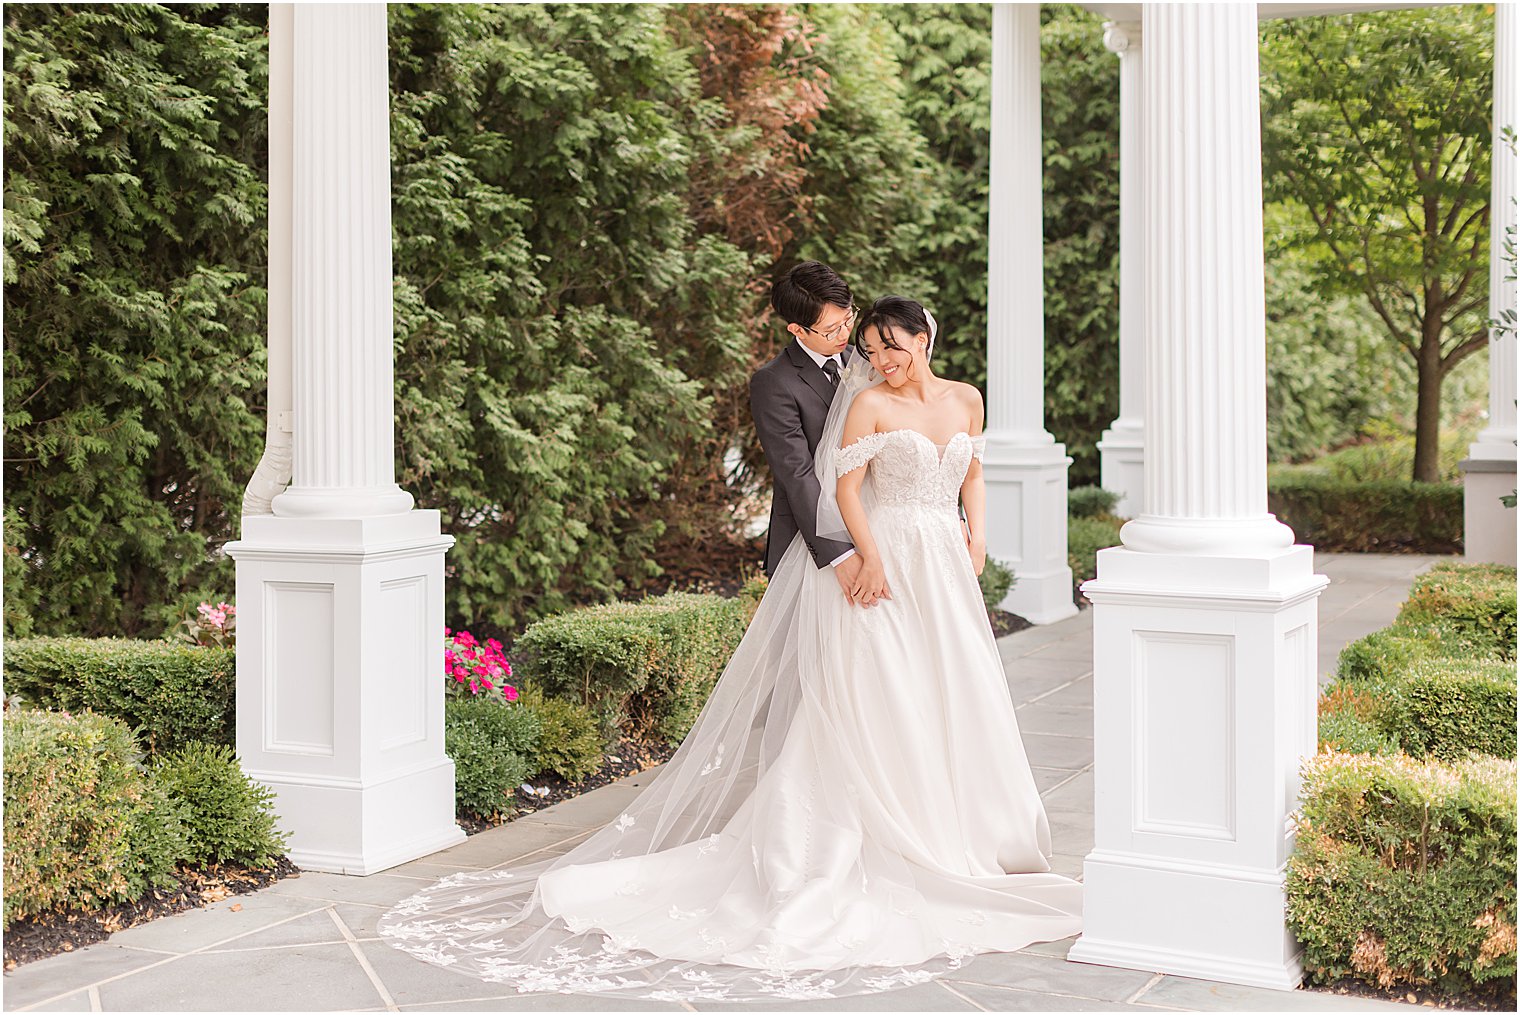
column 969, row 398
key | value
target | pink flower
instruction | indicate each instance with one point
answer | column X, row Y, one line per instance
column 510, row 692
column 487, row 684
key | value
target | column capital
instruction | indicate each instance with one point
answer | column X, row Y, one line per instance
column 1120, row 37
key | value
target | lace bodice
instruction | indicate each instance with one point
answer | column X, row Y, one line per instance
column 910, row 468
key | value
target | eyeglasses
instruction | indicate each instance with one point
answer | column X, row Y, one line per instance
column 843, row 325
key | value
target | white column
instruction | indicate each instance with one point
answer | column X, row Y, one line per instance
column 1204, row 621
column 340, row 590
column 1122, row 447
column 1025, row 469
column 1489, row 471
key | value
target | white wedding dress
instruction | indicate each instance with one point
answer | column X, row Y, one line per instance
column 853, row 811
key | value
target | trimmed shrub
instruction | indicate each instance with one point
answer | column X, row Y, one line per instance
column 1404, row 871
column 83, row 825
column 1090, row 502
column 171, row 694
column 569, row 739
column 1446, row 708
column 1084, row 538
column 1358, row 517
column 996, row 579
column 229, row 817
column 1348, row 722
column 1384, row 654
column 493, row 746
column 644, row 669
column 1470, row 605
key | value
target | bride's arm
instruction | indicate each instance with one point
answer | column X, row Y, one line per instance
column 872, row 580
column 974, row 491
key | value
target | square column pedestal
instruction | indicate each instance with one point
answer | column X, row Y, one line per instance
column 1488, row 527
column 1026, row 525
column 1204, row 692
column 340, row 688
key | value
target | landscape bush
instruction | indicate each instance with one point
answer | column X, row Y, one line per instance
column 228, row 816
column 1364, row 517
column 1090, row 501
column 1470, row 606
column 644, row 669
column 493, row 746
column 570, row 743
column 1404, row 871
column 84, row 825
column 170, row 693
column 1084, row 538
column 996, row 580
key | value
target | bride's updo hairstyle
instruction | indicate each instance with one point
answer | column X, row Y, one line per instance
column 891, row 316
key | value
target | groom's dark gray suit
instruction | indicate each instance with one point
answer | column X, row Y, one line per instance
column 789, row 398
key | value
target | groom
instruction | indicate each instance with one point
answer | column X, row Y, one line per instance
column 789, row 398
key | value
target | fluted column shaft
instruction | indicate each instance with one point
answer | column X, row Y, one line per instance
column 341, row 267
column 1205, row 318
column 1497, row 440
column 1122, row 446
column 1015, row 242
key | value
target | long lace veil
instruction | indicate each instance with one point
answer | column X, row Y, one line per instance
column 492, row 923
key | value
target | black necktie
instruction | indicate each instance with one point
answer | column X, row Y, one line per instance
column 831, row 367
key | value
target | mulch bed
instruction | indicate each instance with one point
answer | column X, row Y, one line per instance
column 38, row 937
column 630, row 756
column 1496, row 995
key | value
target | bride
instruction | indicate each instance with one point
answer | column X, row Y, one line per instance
column 853, row 810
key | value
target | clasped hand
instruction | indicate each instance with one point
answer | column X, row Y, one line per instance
column 863, row 583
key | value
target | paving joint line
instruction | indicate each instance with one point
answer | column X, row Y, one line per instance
column 1036, row 993
column 275, row 948
column 172, row 958
column 358, row 953
column 95, row 999
column 1084, row 769
column 1053, row 690
column 523, row 856
column 958, row 994
column 1155, row 979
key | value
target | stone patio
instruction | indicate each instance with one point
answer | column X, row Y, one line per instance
column 310, row 943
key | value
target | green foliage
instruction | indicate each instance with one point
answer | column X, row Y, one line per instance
column 945, row 54
column 1376, row 130
column 1084, row 538
column 169, row 693
column 492, row 746
column 1328, row 376
column 229, row 817
column 996, row 580
column 1090, row 502
column 644, row 669
column 1440, row 680
column 1472, row 605
column 569, row 740
column 134, row 329
column 1404, row 872
column 1351, row 517
column 83, row 826
column 560, row 323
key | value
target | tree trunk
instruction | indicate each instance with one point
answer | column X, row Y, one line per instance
column 1427, row 414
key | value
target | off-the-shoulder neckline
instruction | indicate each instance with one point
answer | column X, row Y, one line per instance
column 909, row 429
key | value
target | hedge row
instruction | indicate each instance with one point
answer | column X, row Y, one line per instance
column 1359, row 517
column 1439, row 681
column 645, row 669
column 86, row 824
column 1404, row 869
column 171, row 694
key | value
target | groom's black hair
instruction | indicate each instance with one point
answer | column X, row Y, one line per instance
column 799, row 295
column 888, row 314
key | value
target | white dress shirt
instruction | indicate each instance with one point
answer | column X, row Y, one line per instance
column 839, row 363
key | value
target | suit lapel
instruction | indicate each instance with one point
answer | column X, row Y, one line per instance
column 811, row 374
